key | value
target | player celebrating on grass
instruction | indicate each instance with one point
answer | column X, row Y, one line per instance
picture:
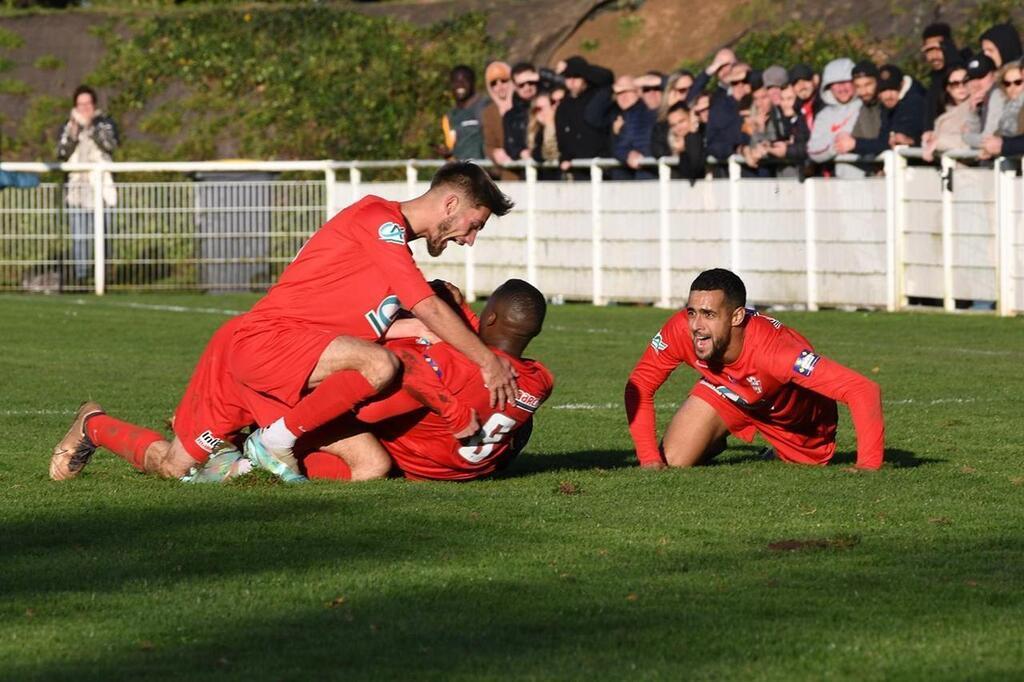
column 306, row 352
column 757, row 376
column 421, row 443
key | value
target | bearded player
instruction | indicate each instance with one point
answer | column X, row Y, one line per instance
column 757, row 377
column 309, row 350
column 420, row 442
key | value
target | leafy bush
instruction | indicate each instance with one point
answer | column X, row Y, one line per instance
column 300, row 82
column 49, row 62
column 812, row 44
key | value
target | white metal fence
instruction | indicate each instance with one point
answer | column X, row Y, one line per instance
column 953, row 234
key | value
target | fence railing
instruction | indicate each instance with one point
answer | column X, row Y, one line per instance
column 952, row 234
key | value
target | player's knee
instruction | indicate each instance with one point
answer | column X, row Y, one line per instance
column 380, row 368
column 369, row 469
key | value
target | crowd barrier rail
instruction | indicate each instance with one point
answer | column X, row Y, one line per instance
column 951, row 234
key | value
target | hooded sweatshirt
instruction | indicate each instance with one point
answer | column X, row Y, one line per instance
column 835, row 118
column 935, row 100
column 1006, row 40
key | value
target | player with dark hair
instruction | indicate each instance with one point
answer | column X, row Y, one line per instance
column 308, row 351
column 757, row 376
column 420, row 443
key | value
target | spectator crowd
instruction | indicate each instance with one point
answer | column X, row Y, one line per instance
column 782, row 120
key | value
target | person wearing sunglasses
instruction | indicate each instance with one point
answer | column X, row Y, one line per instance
column 631, row 132
column 499, row 89
column 948, row 132
column 1010, row 83
column 650, row 85
column 525, row 83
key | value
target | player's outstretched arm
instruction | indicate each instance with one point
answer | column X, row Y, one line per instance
column 498, row 374
column 857, row 392
column 651, row 371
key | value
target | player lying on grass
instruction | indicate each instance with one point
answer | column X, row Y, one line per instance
column 757, row 376
column 419, row 442
column 307, row 352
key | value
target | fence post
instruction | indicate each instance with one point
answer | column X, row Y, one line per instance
column 948, row 302
column 99, row 237
column 811, row 242
column 596, row 236
column 664, row 235
column 412, row 177
column 330, row 192
column 355, row 177
column 1005, row 205
column 531, row 223
column 894, row 221
column 734, row 214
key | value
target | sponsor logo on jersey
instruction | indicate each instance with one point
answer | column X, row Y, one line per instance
column 753, row 313
column 527, row 401
column 755, row 384
column 382, row 317
column 208, row 442
column 657, row 343
column 734, row 397
column 805, row 364
column 392, row 233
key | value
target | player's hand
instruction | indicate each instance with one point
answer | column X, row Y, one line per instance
column 500, row 380
column 440, row 286
column 471, row 428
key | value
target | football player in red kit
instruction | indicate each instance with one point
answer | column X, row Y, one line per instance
column 420, row 442
column 308, row 351
column 756, row 376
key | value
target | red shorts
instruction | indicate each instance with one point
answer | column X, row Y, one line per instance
column 816, row 448
column 217, row 405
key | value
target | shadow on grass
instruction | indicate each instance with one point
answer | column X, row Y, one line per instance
column 529, row 463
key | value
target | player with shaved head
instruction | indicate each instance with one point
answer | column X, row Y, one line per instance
column 756, row 377
column 420, row 442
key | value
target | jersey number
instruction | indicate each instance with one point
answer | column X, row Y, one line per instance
column 480, row 446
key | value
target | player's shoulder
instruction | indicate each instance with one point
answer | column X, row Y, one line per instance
column 377, row 215
column 770, row 330
column 534, row 372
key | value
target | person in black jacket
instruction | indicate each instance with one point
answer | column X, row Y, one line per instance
column 582, row 117
column 525, row 81
column 674, row 137
column 902, row 100
column 1001, row 44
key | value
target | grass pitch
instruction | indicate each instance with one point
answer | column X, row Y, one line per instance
column 574, row 564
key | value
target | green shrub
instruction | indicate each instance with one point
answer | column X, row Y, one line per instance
column 40, row 126
column 300, row 82
column 9, row 40
column 13, row 86
column 812, row 44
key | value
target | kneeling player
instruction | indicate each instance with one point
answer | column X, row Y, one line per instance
column 420, row 442
column 757, row 376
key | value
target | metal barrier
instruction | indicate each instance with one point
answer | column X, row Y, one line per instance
column 907, row 234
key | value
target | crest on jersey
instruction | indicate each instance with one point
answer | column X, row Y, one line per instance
column 433, row 365
column 755, row 384
column 657, row 343
column 392, row 233
column 526, row 401
column 805, row 364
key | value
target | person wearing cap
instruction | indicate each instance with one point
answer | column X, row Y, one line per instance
column 1001, row 44
column 582, row 117
column 631, row 131
column 838, row 117
column 986, row 101
column 865, row 84
column 498, row 77
column 463, row 135
column 775, row 78
column 805, row 86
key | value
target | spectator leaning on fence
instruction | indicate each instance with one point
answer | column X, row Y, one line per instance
column 787, row 131
column 986, row 100
column 837, row 117
column 525, row 82
column 902, row 100
column 677, row 136
column 631, row 131
column 957, row 117
column 805, row 85
column 88, row 136
column 463, row 136
column 498, row 77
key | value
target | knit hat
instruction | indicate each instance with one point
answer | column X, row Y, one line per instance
column 865, row 69
column 1006, row 40
column 800, row 72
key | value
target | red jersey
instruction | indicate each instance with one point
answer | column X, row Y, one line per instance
column 421, row 442
column 351, row 277
column 778, row 380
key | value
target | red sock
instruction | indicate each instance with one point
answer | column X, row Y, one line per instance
column 322, row 464
column 335, row 396
column 127, row 441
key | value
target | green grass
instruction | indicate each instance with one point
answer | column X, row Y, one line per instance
column 913, row 572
